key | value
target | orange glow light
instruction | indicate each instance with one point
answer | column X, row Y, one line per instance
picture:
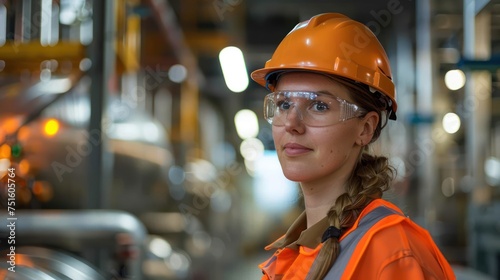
column 38, row 188
column 5, row 151
column 51, row 127
column 24, row 167
column 42, row 190
column 10, row 125
column 23, row 134
column 23, row 260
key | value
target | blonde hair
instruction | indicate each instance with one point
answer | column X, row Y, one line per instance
column 371, row 176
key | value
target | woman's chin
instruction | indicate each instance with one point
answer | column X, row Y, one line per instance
column 296, row 176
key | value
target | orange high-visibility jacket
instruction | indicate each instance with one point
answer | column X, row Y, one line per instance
column 382, row 244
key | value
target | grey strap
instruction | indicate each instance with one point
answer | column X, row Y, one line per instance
column 350, row 242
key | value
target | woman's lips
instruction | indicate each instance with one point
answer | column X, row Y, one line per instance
column 293, row 149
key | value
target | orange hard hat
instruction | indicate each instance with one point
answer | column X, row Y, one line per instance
column 332, row 44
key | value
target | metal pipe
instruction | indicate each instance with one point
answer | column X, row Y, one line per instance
column 477, row 114
column 424, row 106
column 101, row 53
column 79, row 231
column 3, row 24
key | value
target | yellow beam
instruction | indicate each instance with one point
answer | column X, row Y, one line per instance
column 128, row 37
column 207, row 42
column 29, row 56
column 35, row 51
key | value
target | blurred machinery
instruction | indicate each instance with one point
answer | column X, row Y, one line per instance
column 98, row 111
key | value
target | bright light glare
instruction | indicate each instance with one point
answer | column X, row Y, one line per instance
column 51, row 127
column 220, row 201
column 4, row 165
column 10, row 125
column 24, row 167
column 160, row 247
column 5, row 151
column 448, row 187
column 45, row 75
column 273, row 192
column 86, row 34
column 134, row 131
column 454, row 79
column 250, row 166
column 46, row 22
column 178, row 262
column 491, row 168
column 201, row 241
column 85, row 64
column 67, row 16
column 69, row 8
column 247, row 124
column 451, row 123
column 150, row 132
column 3, row 25
column 202, row 170
column 177, row 73
column 176, row 175
column 400, row 166
column 251, row 149
column 52, row 86
column 234, row 69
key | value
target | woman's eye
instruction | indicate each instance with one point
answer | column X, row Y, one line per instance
column 283, row 105
column 319, row 106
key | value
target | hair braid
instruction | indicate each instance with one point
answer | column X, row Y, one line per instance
column 371, row 177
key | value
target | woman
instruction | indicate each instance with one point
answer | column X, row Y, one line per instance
column 332, row 93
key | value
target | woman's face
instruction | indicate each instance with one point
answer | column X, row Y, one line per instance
column 316, row 154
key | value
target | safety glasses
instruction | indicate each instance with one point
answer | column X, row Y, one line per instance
column 314, row 109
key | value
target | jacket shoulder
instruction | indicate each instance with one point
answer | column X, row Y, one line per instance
column 395, row 238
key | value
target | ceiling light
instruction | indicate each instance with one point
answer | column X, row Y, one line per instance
column 234, row 69
column 177, row 73
column 454, row 79
column 451, row 123
column 247, row 125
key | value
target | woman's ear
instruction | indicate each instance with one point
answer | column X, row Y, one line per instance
column 368, row 125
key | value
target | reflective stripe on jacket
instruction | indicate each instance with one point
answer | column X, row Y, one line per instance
column 382, row 244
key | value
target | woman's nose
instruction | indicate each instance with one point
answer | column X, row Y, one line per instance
column 294, row 120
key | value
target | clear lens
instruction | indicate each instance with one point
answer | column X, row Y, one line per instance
column 312, row 108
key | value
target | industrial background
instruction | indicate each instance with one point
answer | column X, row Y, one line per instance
column 126, row 152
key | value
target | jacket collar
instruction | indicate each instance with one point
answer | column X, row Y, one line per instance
column 299, row 235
